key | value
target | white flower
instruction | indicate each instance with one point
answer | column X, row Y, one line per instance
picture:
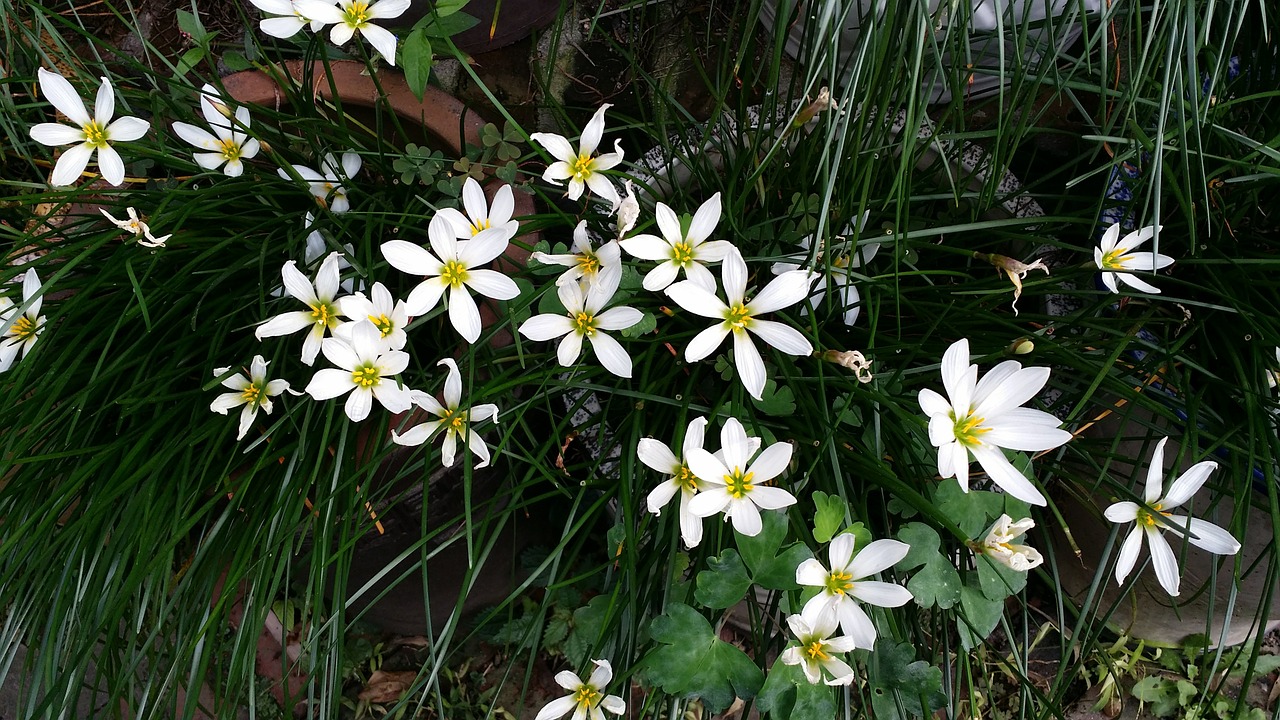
column 1115, row 258
column 19, row 331
column 833, row 265
column 1274, row 373
column 586, row 699
column 137, row 228
column 387, row 314
column 93, row 133
column 1152, row 519
column 480, row 215
column 227, row 144
column 366, row 370
column 580, row 168
column 817, row 649
column 998, row 544
column 317, row 248
column 323, row 314
column 740, row 317
column 456, row 422
column 681, row 479
column 456, row 269
column 843, row 585
column 585, row 262
column 679, row 250
column 354, row 16
column 327, row 183
column 735, row 487
column 980, row 418
column 291, row 20
column 585, row 320
column 628, row 211
column 252, row 392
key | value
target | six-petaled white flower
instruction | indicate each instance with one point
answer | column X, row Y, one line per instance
column 252, row 392
column 843, row 586
column 579, row 167
column 480, row 214
column 227, row 145
column 585, row 262
column 386, row 313
column 833, row 264
column 290, row 19
column 734, row 482
column 1114, row 256
column 20, row 330
column 586, row 321
column 741, row 318
column 455, row 421
column 139, row 229
column 354, row 16
column 1153, row 517
column 89, row 133
column 979, row 418
column 365, row 369
column 585, row 699
column 454, row 267
column 323, row 313
column 680, row 250
column 327, row 185
column 998, row 544
column 680, row 479
column 817, row 650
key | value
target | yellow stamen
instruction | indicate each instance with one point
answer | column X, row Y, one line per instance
column 584, row 324
column 589, row 263
column 814, row 649
column 95, row 136
column 1150, row 519
column 230, row 150
column 357, row 14
column 839, row 582
column 480, row 226
column 682, row 253
column 738, row 316
column 686, row 479
column 454, row 274
column 23, row 328
column 324, row 314
column 1113, row 260
column 251, row 394
column 586, row 696
column 581, row 167
column 366, row 377
column 739, row 483
column 969, row 429
column 383, row 323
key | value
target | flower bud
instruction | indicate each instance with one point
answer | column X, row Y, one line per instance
column 853, row 360
column 998, row 545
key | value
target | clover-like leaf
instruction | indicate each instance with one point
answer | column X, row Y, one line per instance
column 724, row 584
column 936, row 582
column 770, row 568
column 691, row 661
column 899, row 681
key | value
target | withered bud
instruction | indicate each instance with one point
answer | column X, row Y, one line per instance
column 1014, row 269
column 853, row 360
column 822, row 103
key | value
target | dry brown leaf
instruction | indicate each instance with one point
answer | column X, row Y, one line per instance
column 386, row 687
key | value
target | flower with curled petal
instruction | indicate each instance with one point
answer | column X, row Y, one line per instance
column 480, row 214
column 93, row 133
column 585, row 699
column 733, row 482
column 680, row 250
column 19, row 331
column 998, row 544
column 455, row 422
column 741, row 318
column 290, row 20
column 227, row 145
column 680, row 479
column 350, row 17
column 385, row 312
column 140, row 230
column 585, row 320
column 365, row 369
column 454, row 268
column 844, row 586
column 1152, row 518
column 253, row 392
column 323, row 313
column 327, row 185
column 582, row 168
column 834, row 264
column 817, row 650
column 1114, row 256
column 982, row 417
column 585, row 263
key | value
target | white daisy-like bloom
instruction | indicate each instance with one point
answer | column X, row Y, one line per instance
column 289, row 21
column 355, row 16
column 1114, row 256
column 585, row 699
column 480, row 215
column 585, row 263
column 979, row 418
column 386, row 313
column 585, row 320
column 327, row 185
column 817, row 650
column 679, row 250
column 833, row 264
column 455, row 267
column 365, row 369
column 455, row 421
column 581, row 168
column 320, row 298
column 844, row 587
column 89, row 133
column 136, row 227
column 253, row 392
column 680, row 479
column 999, row 546
column 227, row 145
column 733, row 482
column 1153, row 517
column 19, row 331
column 741, row 318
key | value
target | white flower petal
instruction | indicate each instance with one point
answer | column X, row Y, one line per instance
column 70, row 165
column 749, row 364
column 1205, row 535
column 782, row 337
column 611, row 355
column 59, row 92
column 1164, row 561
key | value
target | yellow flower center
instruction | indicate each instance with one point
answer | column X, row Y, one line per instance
column 356, row 14
column 1151, row 519
column 589, row 263
column 1113, row 260
column 586, row 696
column 95, row 136
column 230, row 150
column 682, row 253
column 252, row 394
column 366, row 376
column 383, row 323
column 324, row 314
column 581, row 167
column 739, row 483
column 584, row 324
column 454, row 421
column 969, row 429
column 480, row 226
column 738, row 316
column 839, row 582
column 686, row 479
column 840, row 261
column 815, row 650
column 454, row 274
column 23, row 328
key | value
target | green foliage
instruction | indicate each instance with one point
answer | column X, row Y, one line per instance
column 902, row 687
column 772, row 565
column 788, row 694
column 725, row 581
column 829, row 517
column 690, row 661
column 419, row 165
column 936, row 581
column 776, row 400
